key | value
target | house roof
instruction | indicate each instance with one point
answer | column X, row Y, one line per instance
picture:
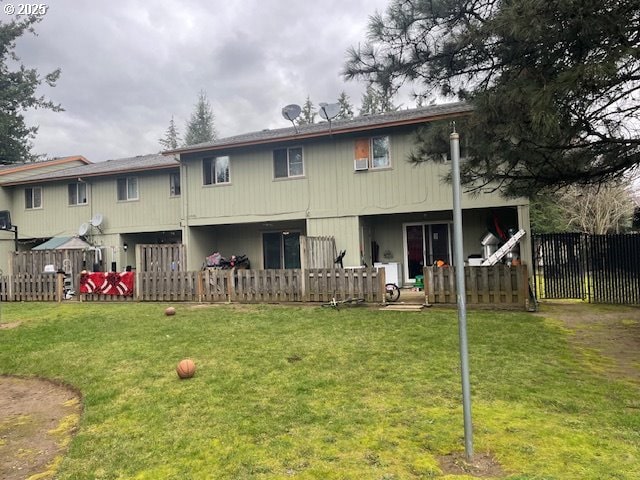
column 18, row 167
column 141, row 163
column 337, row 127
column 17, row 171
column 60, row 243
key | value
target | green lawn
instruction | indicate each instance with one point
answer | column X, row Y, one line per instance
column 312, row 393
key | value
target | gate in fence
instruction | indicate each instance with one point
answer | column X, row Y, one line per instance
column 597, row 268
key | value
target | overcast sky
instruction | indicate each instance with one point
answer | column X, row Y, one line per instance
column 128, row 66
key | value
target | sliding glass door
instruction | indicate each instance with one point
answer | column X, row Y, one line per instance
column 281, row 249
column 425, row 244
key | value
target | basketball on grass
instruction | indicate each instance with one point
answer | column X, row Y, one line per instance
column 186, row 368
column 170, row 311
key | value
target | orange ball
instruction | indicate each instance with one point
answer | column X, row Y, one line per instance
column 186, row 368
column 170, row 311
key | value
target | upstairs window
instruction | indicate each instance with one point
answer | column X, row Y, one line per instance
column 127, row 189
column 215, row 171
column 77, row 193
column 288, row 162
column 380, row 157
column 174, row 184
column 372, row 153
column 33, row 197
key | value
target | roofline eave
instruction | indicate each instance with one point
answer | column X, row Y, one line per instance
column 311, row 135
column 27, row 181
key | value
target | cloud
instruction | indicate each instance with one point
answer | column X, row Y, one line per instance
column 128, row 66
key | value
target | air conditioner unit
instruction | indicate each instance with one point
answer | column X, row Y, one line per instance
column 360, row 164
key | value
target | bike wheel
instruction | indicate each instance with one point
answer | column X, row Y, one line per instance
column 392, row 292
column 354, row 301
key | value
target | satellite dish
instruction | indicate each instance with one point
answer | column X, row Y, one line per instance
column 84, row 228
column 291, row 112
column 97, row 220
column 329, row 111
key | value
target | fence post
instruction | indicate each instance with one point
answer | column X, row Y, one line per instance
column 382, row 284
column 304, row 264
column 199, row 284
column 138, row 270
column 231, row 287
column 59, row 287
column 525, row 285
column 11, row 273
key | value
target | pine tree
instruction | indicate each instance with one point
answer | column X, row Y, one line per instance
column 200, row 128
column 17, row 94
column 376, row 100
column 553, row 86
column 308, row 114
column 370, row 103
column 346, row 109
column 171, row 138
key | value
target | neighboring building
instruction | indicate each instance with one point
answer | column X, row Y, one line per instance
column 17, row 172
column 255, row 194
column 135, row 200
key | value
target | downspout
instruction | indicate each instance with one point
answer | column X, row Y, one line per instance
column 184, row 193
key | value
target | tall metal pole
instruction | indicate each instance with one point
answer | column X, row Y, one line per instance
column 460, row 287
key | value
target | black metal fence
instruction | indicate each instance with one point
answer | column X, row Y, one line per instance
column 597, row 268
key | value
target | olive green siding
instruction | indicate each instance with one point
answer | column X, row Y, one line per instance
column 333, row 199
column 346, row 231
column 154, row 210
column 329, row 188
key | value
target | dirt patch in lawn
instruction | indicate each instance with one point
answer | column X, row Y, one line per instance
column 607, row 337
column 37, row 420
column 7, row 326
column 482, row 465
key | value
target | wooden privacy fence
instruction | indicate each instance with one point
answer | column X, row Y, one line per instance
column 317, row 252
column 215, row 285
column 496, row 285
column 251, row 285
column 326, row 284
column 34, row 261
column 290, row 285
column 26, row 287
column 161, row 258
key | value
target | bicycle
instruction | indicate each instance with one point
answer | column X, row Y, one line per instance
column 346, row 302
column 392, row 292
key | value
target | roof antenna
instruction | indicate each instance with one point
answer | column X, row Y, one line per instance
column 291, row 112
column 329, row 111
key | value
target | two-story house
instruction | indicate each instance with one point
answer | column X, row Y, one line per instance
column 256, row 193
column 13, row 203
column 110, row 204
